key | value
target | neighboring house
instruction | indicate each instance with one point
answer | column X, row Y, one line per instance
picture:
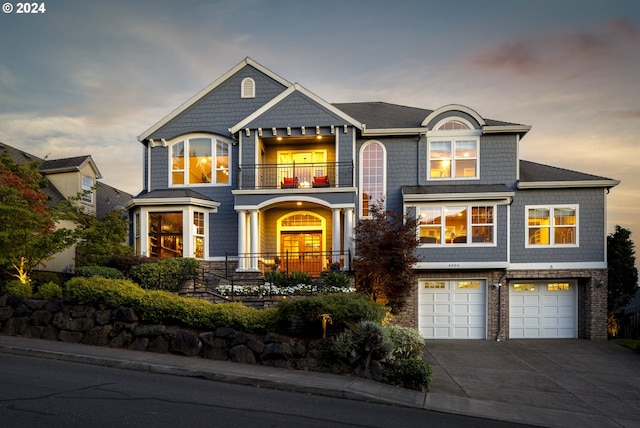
column 263, row 172
column 67, row 178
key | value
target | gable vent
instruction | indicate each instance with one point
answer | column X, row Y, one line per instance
column 248, row 88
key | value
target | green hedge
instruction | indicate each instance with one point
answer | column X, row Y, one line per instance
column 165, row 274
column 162, row 307
column 103, row 271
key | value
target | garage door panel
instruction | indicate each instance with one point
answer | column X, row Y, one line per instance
column 542, row 310
column 455, row 310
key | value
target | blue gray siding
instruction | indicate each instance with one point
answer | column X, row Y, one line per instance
column 591, row 224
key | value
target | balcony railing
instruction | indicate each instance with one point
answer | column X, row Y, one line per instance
column 295, row 175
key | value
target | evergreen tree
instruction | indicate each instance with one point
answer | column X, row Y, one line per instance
column 623, row 274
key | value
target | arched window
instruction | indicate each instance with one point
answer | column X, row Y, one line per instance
column 199, row 159
column 373, row 173
column 453, row 150
column 248, row 88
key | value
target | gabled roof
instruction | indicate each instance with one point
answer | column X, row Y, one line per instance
column 68, row 165
column 283, row 96
column 197, row 97
column 539, row 176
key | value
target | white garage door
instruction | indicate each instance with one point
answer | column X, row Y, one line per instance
column 452, row 309
column 543, row 310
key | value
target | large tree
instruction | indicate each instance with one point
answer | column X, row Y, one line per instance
column 385, row 246
column 28, row 232
column 623, row 274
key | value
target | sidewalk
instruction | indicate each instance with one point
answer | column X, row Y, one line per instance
column 494, row 380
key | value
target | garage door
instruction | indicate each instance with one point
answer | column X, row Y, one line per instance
column 543, row 310
column 453, row 309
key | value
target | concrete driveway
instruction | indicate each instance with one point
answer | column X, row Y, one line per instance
column 600, row 380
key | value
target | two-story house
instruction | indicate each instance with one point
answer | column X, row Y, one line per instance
column 261, row 171
column 67, row 178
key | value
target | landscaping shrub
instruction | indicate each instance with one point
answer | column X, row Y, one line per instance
column 411, row 373
column 335, row 281
column 102, row 292
column 406, row 342
column 165, row 274
column 39, row 277
column 48, row 291
column 103, row 271
column 345, row 309
column 17, row 288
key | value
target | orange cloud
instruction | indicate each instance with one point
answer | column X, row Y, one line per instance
column 564, row 50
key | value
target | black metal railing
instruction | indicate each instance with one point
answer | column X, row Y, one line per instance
column 309, row 262
column 317, row 175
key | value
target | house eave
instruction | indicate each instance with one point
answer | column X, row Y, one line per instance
column 191, row 101
column 141, row 202
column 504, row 197
column 276, row 100
column 392, row 131
column 506, row 129
column 567, row 184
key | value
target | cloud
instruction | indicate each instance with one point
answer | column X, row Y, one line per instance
column 559, row 51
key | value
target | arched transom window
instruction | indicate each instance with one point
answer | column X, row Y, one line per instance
column 453, row 150
column 373, row 164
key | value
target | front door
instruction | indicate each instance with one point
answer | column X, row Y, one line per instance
column 302, row 252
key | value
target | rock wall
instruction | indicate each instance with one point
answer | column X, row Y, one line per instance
column 121, row 328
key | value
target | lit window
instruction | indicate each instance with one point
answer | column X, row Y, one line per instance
column 524, row 287
column 434, row 284
column 558, row 286
column 198, row 235
column 469, row 284
column 453, row 225
column 87, row 189
column 200, row 160
column 453, row 151
column 165, row 234
column 552, row 226
column 372, row 176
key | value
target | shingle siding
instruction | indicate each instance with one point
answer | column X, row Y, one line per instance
column 591, row 224
column 222, row 108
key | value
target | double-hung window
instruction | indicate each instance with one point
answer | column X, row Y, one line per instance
column 87, row 189
column 456, row 225
column 453, row 149
column 552, row 226
column 199, row 160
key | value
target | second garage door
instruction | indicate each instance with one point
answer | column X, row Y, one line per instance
column 543, row 310
column 453, row 309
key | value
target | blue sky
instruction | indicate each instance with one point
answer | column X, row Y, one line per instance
column 88, row 77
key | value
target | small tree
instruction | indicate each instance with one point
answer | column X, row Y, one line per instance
column 102, row 238
column 623, row 274
column 385, row 246
column 28, row 232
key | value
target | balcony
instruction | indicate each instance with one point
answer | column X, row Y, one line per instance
column 320, row 175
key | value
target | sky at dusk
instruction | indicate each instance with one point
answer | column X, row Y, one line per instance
column 88, row 77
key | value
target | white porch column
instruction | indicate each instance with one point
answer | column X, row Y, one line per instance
column 335, row 243
column 242, row 239
column 348, row 235
column 253, row 240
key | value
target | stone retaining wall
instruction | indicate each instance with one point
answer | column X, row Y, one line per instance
column 121, row 328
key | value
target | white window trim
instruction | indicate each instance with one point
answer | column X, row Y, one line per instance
column 360, row 172
column 188, row 228
column 453, row 136
column 551, row 208
column 245, row 91
column 185, row 138
column 87, row 198
column 468, row 226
